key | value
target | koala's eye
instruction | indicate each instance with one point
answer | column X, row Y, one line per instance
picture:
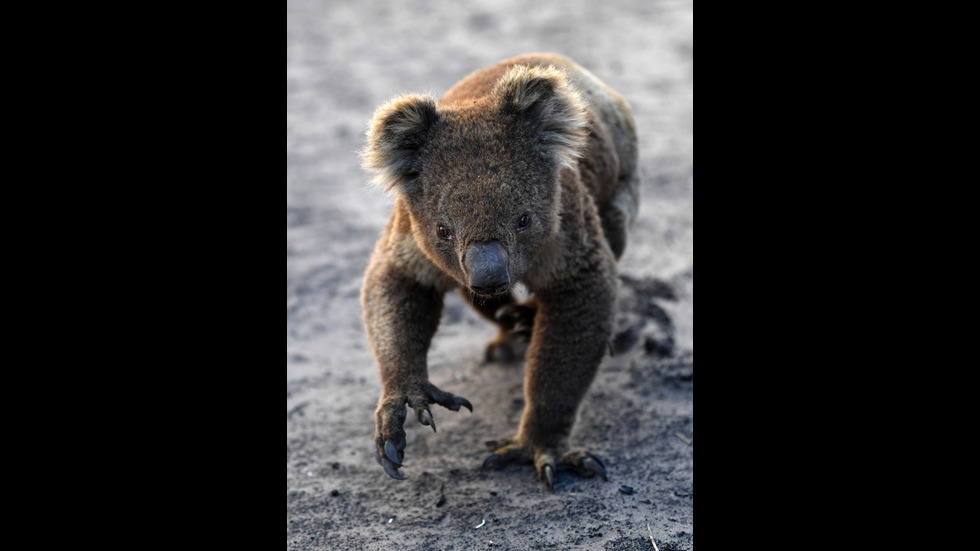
column 523, row 222
column 444, row 232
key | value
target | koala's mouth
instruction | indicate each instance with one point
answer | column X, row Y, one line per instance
column 491, row 291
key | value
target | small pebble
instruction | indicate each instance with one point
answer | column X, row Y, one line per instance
column 625, row 489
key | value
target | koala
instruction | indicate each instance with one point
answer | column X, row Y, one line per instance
column 524, row 171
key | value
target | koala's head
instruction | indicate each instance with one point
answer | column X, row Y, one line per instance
column 481, row 179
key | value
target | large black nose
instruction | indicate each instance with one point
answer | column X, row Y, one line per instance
column 486, row 263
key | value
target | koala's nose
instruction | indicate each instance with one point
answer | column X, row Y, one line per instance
column 486, row 263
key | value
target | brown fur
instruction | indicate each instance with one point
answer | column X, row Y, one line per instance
column 523, row 172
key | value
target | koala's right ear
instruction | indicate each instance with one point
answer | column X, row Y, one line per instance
column 399, row 130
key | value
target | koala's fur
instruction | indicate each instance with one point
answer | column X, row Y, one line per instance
column 525, row 171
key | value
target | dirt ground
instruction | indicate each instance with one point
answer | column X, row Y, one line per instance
column 343, row 59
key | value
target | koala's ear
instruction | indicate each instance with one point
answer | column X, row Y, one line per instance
column 544, row 99
column 399, row 130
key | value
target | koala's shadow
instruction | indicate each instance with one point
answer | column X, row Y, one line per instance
column 640, row 317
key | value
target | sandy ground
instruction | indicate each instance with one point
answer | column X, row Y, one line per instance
column 343, row 59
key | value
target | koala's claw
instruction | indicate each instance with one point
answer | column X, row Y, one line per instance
column 389, row 467
column 460, row 401
column 392, row 460
column 427, row 419
column 392, row 453
column 594, row 465
column 547, row 476
column 505, row 453
column 492, row 460
column 392, row 470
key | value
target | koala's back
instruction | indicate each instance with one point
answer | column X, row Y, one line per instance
column 611, row 154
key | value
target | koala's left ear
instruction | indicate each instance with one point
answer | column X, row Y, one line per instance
column 399, row 130
column 544, row 99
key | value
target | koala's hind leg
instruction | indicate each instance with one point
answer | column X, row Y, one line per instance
column 619, row 212
column 514, row 320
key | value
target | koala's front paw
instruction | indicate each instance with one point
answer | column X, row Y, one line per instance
column 546, row 460
column 389, row 435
